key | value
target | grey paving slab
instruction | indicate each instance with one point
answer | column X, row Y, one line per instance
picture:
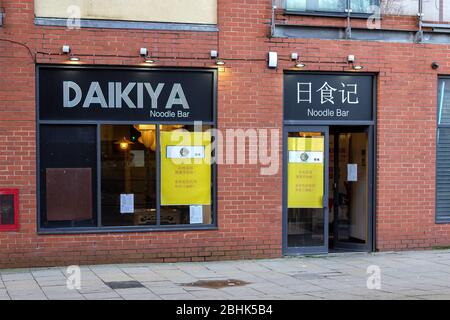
column 17, row 276
column 160, row 290
column 177, row 276
column 101, row 295
column 183, row 296
column 147, row 296
column 211, row 294
column 133, row 291
column 54, row 272
column 404, row 275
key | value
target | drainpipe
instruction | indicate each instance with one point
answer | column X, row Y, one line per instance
column 441, row 11
column 419, row 34
column 272, row 23
column 348, row 29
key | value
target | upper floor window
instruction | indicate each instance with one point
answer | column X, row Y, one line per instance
column 332, row 6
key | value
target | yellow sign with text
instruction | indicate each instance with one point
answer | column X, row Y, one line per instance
column 185, row 168
column 305, row 172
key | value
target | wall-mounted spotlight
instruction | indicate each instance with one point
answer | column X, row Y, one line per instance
column 351, row 59
column 143, row 52
column 66, row 50
column 214, row 54
column 295, row 57
column 435, row 65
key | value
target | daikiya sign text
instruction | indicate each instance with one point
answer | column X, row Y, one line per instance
column 119, row 95
column 125, row 94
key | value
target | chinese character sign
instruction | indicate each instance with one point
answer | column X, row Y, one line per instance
column 185, row 168
column 328, row 97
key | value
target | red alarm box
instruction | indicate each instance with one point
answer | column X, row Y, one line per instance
column 9, row 209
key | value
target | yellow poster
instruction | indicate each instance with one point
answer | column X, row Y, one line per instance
column 185, row 168
column 305, row 172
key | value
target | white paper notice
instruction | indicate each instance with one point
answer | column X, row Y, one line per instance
column 195, row 214
column 127, row 203
column 352, row 172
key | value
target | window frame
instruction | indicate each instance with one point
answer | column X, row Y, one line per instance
column 123, row 229
column 439, row 219
column 333, row 14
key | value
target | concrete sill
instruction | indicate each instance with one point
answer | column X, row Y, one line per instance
column 84, row 230
column 116, row 24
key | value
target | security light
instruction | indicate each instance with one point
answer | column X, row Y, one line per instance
column 214, row 54
column 273, row 59
column 66, row 49
column 143, row 52
column 351, row 58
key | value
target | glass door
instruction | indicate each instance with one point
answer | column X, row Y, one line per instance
column 305, row 222
column 351, row 188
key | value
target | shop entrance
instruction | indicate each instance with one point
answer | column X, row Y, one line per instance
column 350, row 182
column 328, row 189
column 328, row 171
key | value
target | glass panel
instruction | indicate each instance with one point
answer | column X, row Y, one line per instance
column 68, row 171
column 6, row 209
column 316, row 5
column 363, row 6
column 186, row 179
column 444, row 102
column 352, row 188
column 128, row 162
column 306, row 159
column 436, row 11
column 358, row 6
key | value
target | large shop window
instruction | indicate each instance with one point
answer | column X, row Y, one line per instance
column 443, row 153
column 153, row 170
column 332, row 6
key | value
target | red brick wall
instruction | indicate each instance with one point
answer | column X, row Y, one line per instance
column 250, row 96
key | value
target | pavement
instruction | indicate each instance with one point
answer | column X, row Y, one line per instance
column 389, row 275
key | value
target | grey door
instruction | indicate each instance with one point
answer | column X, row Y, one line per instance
column 305, row 173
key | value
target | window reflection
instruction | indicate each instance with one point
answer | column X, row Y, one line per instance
column 128, row 161
column 357, row 6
